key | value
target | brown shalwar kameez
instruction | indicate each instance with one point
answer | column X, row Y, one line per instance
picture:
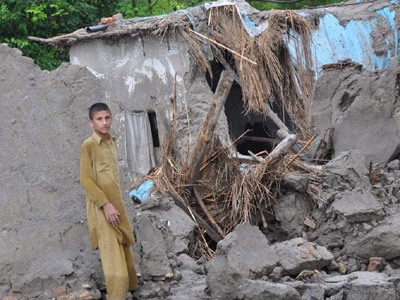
column 99, row 176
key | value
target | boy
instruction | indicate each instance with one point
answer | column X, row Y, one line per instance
column 109, row 227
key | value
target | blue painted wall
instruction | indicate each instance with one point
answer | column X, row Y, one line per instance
column 332, row 41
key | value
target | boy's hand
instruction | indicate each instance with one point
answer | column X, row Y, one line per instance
column 111, row 214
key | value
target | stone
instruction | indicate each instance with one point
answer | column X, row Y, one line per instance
column 295, row 183
column 261, row 290
column 342, row 269
column 276, row 273
column 291, row 210
column 394, row 165
column 383, row 240
column 346, row 163
column 154, row 240
column 81, row 295
column 243, row 254
column 298, row 254
column 376, row 264
column 309, row 291
column 358, row 207
column 60, row 291
column 362, row 286
column 309, row 223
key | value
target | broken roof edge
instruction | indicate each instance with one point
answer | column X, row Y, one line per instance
column 155, row 25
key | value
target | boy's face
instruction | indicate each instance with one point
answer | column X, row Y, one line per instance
column 101, row 123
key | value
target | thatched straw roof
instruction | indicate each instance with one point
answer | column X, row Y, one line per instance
column 276, row 75
column 157, row 25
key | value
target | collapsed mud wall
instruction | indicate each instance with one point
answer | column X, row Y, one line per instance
column 352, row 95
column 43, row 223
column 360, row 107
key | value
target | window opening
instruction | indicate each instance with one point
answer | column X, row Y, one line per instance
column 139, row 142
column 154, row 128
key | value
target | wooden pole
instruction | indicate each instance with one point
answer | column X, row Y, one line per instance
column 203, row 142
column 284, row 132
column 260, row 139
column 283, row 147
column 278, row 122
column 207, row 213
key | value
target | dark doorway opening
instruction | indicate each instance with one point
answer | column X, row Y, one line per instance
column 260, row 131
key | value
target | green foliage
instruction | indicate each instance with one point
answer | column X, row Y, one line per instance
column 22, row 18
column 261, row 5
column 37, row 13
column 105, row 8
column 145, row 8
column 125, row 7
column 46, row 56
column 10, row 18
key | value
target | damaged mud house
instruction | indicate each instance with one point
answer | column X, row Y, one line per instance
column 261, row 147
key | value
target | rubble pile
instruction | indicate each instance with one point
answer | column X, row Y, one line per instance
column 344, row 247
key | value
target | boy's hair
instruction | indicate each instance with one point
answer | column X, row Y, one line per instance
column 99, row 106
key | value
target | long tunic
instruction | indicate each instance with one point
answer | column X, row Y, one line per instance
column 99, row 176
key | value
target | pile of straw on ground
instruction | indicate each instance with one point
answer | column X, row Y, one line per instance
column 231, row 192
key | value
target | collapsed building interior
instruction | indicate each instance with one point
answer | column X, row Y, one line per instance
column 211, row 183
column 252, row 130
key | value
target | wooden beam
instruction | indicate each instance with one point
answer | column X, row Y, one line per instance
column 203, row 142
column 283, row 147
column 207, row 213
column 260, row 139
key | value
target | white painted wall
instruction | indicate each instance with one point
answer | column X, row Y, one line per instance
column 138, row 73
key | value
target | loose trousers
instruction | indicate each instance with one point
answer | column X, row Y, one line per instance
column 117, row 261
